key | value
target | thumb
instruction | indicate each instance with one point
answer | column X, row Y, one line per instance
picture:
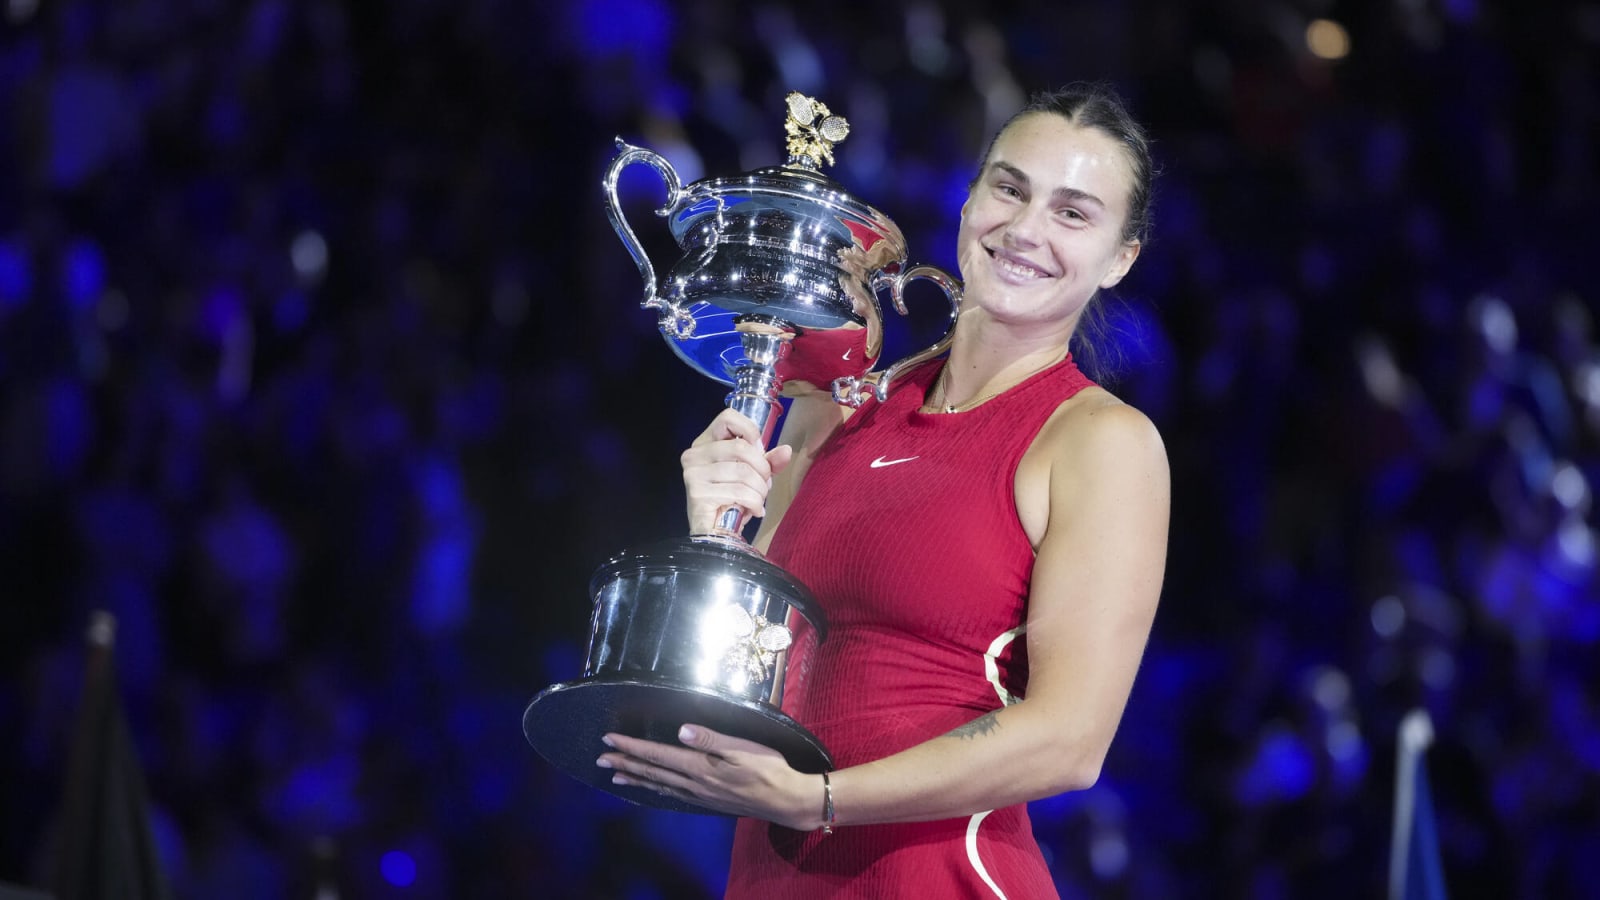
column 699, row 737
column 779, row 457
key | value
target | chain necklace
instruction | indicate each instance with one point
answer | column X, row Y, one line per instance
column 942, row 386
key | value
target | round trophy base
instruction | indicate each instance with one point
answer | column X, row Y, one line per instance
column 565, row 723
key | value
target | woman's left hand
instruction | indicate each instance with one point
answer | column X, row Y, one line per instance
column 721, row 772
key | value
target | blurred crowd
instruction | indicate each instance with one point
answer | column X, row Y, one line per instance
column 322, row 370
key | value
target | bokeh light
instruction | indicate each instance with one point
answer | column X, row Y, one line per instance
column 1327, row 39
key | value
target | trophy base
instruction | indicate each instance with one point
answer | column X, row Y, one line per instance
column 565, row 723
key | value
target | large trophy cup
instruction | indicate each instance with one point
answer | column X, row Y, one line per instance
column 775, row 295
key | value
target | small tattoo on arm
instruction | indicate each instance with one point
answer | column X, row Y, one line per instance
column 982, row 725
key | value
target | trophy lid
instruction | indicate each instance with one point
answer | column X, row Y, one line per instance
column 797, row 188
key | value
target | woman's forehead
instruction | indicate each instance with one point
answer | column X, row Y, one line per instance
column 1049, row 140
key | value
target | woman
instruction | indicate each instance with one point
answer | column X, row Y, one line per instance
column 998, row 494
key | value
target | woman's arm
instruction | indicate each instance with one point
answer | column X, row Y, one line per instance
column 1093, row 596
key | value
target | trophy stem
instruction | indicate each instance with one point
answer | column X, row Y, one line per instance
column 756, row 386
column 755, row 393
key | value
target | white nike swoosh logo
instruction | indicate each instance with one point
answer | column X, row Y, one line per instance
column 880, row 462
column 847, row 353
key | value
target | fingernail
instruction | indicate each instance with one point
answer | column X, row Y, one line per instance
column 618, row 779
column 606, row 739
column 686, row 734
column 603, row 763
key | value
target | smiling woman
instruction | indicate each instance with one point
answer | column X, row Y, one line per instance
column 1100, row 111
column 982, row 649
column 1041, row 232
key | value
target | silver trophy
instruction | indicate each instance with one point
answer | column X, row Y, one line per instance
column 776, row 294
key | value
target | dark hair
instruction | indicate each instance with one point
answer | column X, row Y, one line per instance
column 1092, row 105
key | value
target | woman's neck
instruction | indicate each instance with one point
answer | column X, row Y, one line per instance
column 978, row 370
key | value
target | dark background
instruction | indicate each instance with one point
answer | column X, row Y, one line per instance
column 321, row 368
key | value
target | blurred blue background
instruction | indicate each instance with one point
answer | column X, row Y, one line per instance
column 321, row 369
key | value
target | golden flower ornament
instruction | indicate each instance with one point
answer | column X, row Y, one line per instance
column 748, row 645
column 813, row 131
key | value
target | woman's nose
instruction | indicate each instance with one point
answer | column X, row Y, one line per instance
column 1026, row 226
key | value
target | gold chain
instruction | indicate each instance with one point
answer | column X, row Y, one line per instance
column 943, row 388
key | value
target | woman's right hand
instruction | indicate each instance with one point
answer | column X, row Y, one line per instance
column 725, row 467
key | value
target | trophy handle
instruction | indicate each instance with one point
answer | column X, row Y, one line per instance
column 672, row 320
column 854, row 390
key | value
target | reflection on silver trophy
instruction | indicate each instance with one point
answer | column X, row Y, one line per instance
column 776, row 294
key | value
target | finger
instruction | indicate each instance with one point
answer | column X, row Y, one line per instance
column 730, row 423
column 660, row 782
column 662, row 789
column 729, row 461
column 684, row 795
column 703, row 489
column 717, row 745
column 648, row 757
column 748, row 502
column 632, row 771
column 706, row 518
column 638, row 771
column 701, row 738
column 733, row 451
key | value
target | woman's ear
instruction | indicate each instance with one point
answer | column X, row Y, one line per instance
column 1123, row 262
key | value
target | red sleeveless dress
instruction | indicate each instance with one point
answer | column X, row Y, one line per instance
column 906, row 531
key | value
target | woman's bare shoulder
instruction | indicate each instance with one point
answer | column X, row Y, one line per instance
column 1096, row 425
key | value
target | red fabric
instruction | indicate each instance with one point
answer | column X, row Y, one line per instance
column 821, row 355
column 906, row 531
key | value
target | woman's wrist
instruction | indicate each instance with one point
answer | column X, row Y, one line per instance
column 812, row 806
column 828, row 814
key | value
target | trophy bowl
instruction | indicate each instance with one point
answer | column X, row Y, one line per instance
column 775, row 294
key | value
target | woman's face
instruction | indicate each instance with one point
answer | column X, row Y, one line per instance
column 1041, row 230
